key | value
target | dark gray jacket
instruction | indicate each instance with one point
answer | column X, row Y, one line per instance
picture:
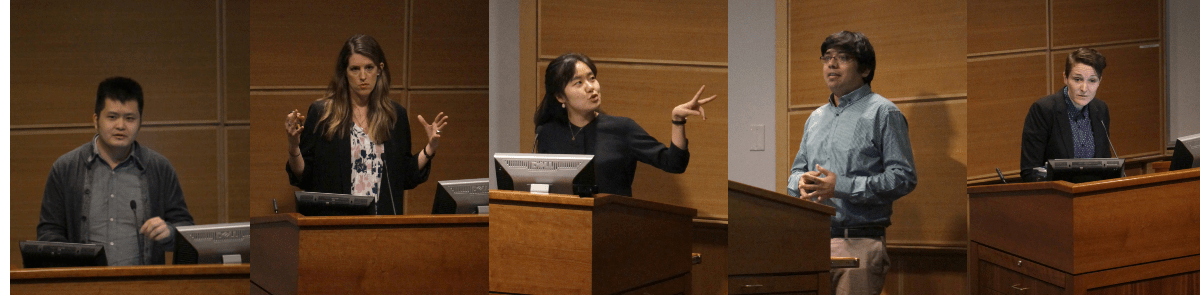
column 66, row 199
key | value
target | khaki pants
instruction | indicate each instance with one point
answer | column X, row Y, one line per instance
column 872, row 268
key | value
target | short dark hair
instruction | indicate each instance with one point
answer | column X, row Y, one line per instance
column 559, row 72
column 856, row 45
column 1086, row 56
column 120, row 89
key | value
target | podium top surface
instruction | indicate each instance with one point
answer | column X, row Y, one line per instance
column 130, row 271
column 598, row 201
column 301, row 220
column 780, row 198
column 1087, row 187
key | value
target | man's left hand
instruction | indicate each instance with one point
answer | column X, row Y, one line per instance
column 156, row 229
column 817, row 188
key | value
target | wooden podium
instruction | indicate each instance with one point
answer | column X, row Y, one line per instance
column 562, row 244
column 149, row 279
column 1133, row 235
column 407, row 254
column 778, row 244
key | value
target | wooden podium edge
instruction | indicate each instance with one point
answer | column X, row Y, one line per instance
column 17, row 275
column 780, row 198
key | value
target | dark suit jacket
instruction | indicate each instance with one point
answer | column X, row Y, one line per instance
column 1047, row 134
column 327, row 165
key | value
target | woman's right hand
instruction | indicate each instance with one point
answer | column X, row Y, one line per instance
column 294, row 125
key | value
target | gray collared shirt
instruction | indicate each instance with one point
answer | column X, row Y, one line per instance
column 864, row 141
column 111, row 220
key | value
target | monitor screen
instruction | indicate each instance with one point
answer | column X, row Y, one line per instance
column 464, row 196
column 1187, row 152
column 37, row 254
column 213, row 244
column 546, row 173
column 326, row 204
column 1085, row 170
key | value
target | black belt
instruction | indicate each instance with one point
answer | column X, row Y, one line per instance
column 857, row 232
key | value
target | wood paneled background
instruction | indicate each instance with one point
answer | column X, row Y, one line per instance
column 650, row 56
column 437, row 52
column 921, row 67
column 190, row 59
column 1017, row 54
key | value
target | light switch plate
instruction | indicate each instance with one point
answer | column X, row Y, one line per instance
column 758, row 137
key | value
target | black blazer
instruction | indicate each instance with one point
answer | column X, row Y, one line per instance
column 327, row 165
column 1047, row 134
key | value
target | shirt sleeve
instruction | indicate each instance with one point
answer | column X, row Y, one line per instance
column 899, row 174
column 649, row 150
column 415, row 174
column 308, row 140
column 1034, row 137
column 53, row 220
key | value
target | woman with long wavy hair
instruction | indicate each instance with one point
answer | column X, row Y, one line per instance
column 355, row 140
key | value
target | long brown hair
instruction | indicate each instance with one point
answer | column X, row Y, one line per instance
column 381, row 114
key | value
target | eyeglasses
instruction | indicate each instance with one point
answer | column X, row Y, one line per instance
column 841, row 58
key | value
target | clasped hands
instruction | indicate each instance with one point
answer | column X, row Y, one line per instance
column 817, row 185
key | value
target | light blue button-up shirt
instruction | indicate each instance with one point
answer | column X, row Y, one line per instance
column 864, row 141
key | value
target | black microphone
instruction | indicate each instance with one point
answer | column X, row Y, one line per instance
column 133, row 206
column 275, row 205
column 1110, row 145
column 1109, row 138
column 389, row 185
column 1001, row 176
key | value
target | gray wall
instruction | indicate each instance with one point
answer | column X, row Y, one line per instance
column 1183, row 68
column 752, row 91
column 504, row 79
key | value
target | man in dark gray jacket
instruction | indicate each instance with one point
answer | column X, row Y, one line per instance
column 112, row 191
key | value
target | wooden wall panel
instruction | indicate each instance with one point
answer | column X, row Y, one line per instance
column 915, row 56
column 193, row 153
column 635, row 29
column 1078, row 22
column 237, row 142
column 237, row 62
column 463, row 149
column 1002, row 89
column 1005, row 25
column 32, row 156
column 936, row 212
column 182, row 55
column 445, row 55
column 296, row 43
column 647, row 94
column 1132, row 90
column 61, row 50
column 268, row 148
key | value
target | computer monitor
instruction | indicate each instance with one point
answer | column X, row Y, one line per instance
column 1187, row 152
column 326, row 204
column 546, row 173
column 1085, row 170
column 213, row 244
column 464, row 196
column 38, row 254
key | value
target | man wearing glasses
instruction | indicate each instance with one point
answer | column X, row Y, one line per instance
column 855, row 156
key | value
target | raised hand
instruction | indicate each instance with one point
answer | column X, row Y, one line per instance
column 691, row 108
column 294, row 124
column 434, row 130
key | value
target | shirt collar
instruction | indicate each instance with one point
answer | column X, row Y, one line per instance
column 852, row 97
column 133, row 154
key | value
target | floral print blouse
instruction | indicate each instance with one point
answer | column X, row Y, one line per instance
column 367, row 159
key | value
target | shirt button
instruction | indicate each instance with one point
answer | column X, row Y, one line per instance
column 110, row 243
column 112, row 195
column 110, row 219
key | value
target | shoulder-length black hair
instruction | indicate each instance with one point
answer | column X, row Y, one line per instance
column 560, row 71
